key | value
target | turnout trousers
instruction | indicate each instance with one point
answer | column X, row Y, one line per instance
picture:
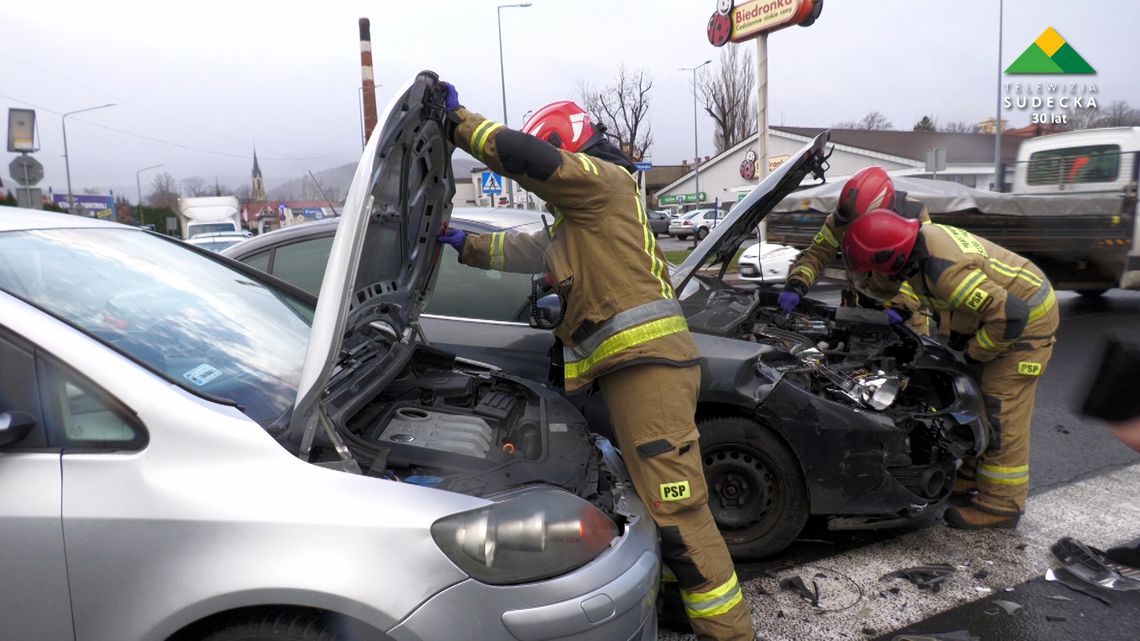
column 652, row 408
column 1009, row 388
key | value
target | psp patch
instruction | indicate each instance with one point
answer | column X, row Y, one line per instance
column 675, row 491
column 977, row 300
column 1026, row 368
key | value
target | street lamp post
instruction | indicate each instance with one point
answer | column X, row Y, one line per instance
column 66, row 157
column 696, row 153
column 508, row 184
column 138, row 185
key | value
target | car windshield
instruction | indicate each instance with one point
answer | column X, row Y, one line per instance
column 205, row 326
column 219, row 245
column 197, row 229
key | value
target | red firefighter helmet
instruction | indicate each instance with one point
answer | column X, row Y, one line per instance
column 869, row 189
column 879, row 241
column 563, row 124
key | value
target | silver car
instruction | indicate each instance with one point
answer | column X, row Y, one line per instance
column 191, row 449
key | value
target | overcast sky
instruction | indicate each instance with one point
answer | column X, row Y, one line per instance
column 199, row 83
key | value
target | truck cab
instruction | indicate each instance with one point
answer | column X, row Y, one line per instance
column 1085, row 161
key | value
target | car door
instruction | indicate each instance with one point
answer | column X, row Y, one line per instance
column 482, row 315
column 34, row 593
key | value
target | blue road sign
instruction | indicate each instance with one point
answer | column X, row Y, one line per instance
column 643, row 166
column 492, row 183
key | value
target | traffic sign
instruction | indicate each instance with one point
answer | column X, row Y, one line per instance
column 26, row 170
column 643, row 166
column 491, row 183
column 674, row 199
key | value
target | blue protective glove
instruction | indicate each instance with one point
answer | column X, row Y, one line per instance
column 788, row 301
column 453, row 237
column 451, row 102
column 893, row 317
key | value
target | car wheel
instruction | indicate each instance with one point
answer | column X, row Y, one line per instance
column 702, row 232
column 756, row 489
column 280, row 624
column 1092, row 294
column 683, row 237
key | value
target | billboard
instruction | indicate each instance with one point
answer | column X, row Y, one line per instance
column 93, row 205
column 742, row 20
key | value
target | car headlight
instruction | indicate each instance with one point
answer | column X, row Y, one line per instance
column 527, row 537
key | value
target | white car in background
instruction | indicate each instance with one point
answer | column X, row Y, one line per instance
column 767, row 262
column 218, row 242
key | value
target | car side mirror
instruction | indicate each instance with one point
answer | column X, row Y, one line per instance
column 549, row 312
column 15, row 427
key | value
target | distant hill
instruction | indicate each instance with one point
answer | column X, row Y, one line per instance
column 336, row 181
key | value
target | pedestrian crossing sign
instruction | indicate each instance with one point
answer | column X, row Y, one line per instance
column 492, row 183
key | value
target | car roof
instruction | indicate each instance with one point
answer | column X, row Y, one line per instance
column 486, row 218
column 21, row 219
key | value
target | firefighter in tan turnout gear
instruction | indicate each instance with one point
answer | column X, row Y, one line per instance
column 870, row 188
column 1003, row 310
column 622, row 328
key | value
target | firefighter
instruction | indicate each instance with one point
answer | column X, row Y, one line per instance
column 1004, row 309
column 622, row 328
column 870, row 188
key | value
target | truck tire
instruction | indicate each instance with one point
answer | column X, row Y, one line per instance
column 278, row 624
column 757, row 492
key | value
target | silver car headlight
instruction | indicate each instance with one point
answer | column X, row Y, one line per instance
column 527, row 537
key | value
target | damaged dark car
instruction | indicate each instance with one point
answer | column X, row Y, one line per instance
column 827, row 412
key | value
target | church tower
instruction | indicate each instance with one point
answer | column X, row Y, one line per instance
column 257, row 194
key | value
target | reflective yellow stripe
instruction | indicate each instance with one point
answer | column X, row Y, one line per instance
column 482, row 133
column 624, row 340
column 656, row 265
column 985, row 341
column 999, row 469
column 909, row 292
column 588, row 164
column 807, row 272
column 1003, row 481
column 497, row 239
column 715, row 602
column 964, row 288
column 1015, row 272
column 827, row 235
column 1043, row 308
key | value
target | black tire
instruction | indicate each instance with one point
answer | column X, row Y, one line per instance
column 683, row 237
column 279, row 624
column 702, row 233
column 1092, row 294
column 756, row 489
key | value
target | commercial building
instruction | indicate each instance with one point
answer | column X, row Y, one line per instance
column 729, row 176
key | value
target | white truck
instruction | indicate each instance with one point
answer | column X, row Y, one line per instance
column 209, row 215
column 1071, row 208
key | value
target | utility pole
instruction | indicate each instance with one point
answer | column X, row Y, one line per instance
column 138, row 185
column 999, row 174
column 67, row 157
column 696, row 152
column 508, row 184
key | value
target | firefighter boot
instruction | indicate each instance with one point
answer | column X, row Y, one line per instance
column 975, row 517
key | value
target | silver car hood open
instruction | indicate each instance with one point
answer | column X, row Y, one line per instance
column 384, row 257
column 721, row 244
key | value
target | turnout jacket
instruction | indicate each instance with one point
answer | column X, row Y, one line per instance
column 996, row 298
column 825, row 246
column 599, row 254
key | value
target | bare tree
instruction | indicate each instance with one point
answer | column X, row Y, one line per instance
column 926, row 124
column 244, row 193
column 1117, row 114
column 163, row 191
column 846, row 124
column 875, row 121
column 196, row 186
column 729, row 96
column 623, row 107
column 961, row 127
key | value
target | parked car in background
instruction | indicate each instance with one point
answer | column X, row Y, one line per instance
column 239, row 460
column 218, row 242
column 658, row 222
column 766, row 262
column 698, row 222
column 821, row 412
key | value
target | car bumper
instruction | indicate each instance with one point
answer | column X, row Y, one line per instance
column 752, row 270
column 612, row 598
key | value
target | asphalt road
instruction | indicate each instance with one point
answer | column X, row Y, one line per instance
column 1082, row 484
